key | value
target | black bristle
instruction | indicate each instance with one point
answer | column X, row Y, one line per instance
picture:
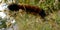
column 42, row 13
column 13, row 7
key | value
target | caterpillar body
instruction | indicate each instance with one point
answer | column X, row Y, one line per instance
column 27, row 8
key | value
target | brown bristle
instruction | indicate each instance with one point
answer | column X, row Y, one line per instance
column 30, row 8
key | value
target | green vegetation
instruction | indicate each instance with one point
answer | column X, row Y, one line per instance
column 2, row 23
column 30, row 22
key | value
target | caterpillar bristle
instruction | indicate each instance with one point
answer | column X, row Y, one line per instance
column 13, row 7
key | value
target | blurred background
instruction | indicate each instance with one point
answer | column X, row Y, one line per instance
column 24, row 21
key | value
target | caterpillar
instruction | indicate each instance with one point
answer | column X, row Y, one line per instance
column 27, row 8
